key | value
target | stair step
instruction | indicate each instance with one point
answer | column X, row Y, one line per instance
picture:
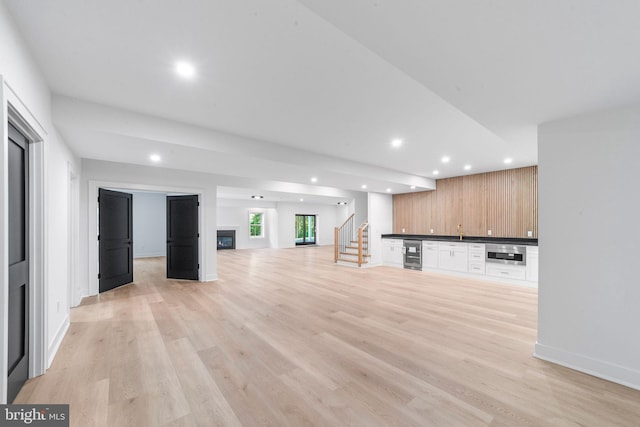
column 352, row 254
column 351, row 260
column 355, row 248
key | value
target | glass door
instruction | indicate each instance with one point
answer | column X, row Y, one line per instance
column 305, row 229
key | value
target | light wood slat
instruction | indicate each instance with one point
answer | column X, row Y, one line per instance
column 505, row 202
column 286, row 337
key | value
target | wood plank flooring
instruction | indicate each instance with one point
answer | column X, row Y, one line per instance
column 288, row 338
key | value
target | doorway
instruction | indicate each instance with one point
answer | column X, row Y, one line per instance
column 18, row 293
column 134, row 216
column 305, row 230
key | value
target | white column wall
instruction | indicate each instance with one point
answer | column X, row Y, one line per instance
column 589, row 292
column 380, row 222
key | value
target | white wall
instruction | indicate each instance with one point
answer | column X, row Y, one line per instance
column 380, row 222
column 589, row 291
column 149, row 224
column 237, row 218
column 326, row 221
column 26, row 90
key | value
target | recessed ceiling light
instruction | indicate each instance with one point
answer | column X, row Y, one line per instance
column 388, row 190
column 508, row 160
column 257, row 197
column 364, row 186
column 302, row 200
column 185, row 69
column 446, row 159
column 342, row 203
column 155, row 158
column 396, row 143
column 413, row 187
column 467, row 167
column 436, row 172
column 314, row 179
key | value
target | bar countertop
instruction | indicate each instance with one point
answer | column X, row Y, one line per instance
column 465, row 239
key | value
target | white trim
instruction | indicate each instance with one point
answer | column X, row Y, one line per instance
column 14, row 110
column 73, row 213
column 4, row 243
column 38, row 329
column 57, row 339
column 93, row 224
column 598, row 368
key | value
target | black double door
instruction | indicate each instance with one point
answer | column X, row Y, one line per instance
column 18, row 304
column 116, row 238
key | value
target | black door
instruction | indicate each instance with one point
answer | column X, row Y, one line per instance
column 18, row 316
column 182, row 237
column 115, row 237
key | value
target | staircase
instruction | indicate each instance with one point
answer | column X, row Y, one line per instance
column 351, row 245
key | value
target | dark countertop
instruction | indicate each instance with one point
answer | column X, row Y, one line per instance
column 465, row 239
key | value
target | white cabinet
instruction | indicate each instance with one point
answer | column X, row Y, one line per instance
column 532, row 264
column 453, row 256
column 506, row 271
column 429, row 254
column 477, row 255
column 392, row 252
column 464, row 257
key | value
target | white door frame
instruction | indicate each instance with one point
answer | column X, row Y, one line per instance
column 16, row 112
column 94, row 283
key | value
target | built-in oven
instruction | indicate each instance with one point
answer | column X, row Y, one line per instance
column 412, row 254
column 507, row 254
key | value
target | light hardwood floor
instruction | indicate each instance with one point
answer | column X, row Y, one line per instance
column 288, row 338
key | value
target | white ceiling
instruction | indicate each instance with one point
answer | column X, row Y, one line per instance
column 328, row 82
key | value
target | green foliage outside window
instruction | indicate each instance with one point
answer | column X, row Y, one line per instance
column 255, row 224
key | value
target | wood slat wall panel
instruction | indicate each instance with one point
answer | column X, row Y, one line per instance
column 505, row 202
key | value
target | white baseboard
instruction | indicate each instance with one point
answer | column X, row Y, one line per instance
column 211, row 278
column 598, row 368
column 57, row 340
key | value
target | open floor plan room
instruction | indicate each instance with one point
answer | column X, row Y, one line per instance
column 286, row 337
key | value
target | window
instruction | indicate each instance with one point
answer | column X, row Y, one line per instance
column 256, row 225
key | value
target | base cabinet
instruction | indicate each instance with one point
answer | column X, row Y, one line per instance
column 392, row 252
column 453, row 256
column 462, row 257
column 477, row 256
column 429, row 255
column 506, row 271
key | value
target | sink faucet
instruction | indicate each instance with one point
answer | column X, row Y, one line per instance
column 460, row 232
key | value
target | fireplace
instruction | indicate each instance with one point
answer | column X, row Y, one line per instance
column 226, row 239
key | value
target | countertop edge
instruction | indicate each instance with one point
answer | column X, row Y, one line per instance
column 465, row 239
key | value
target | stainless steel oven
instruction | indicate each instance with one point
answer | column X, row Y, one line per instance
column 412, row 254
column 507, row 254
